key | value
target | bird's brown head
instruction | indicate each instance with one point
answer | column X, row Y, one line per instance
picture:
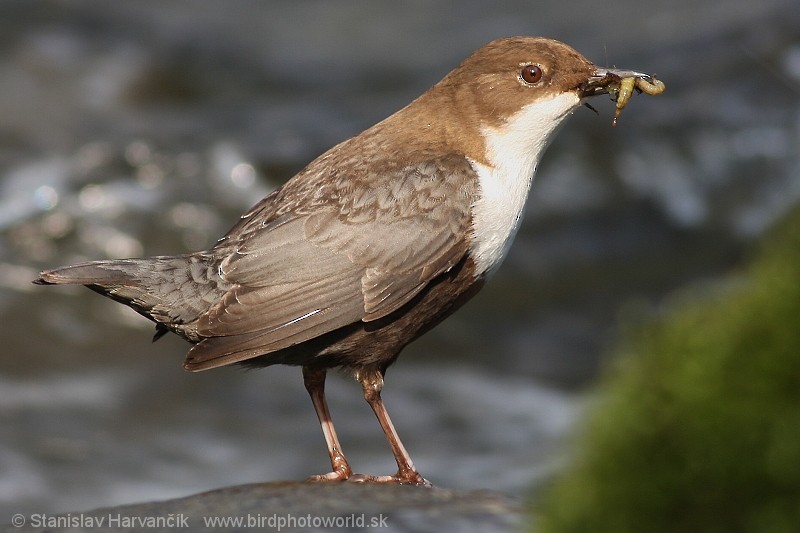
column 491, row 88
column 507, row 74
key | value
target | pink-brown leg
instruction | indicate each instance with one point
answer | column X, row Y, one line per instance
column 314, row 380
column 372, row 383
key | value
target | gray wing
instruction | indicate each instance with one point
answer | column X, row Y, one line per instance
column 355, row 250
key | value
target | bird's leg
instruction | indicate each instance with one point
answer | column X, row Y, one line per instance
column 314, row 380
column 372, row 383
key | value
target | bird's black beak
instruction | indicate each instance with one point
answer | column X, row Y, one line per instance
column 605, row 78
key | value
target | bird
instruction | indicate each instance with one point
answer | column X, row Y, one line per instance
column 374, row 242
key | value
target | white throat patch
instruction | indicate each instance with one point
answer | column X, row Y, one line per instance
column 513, row 151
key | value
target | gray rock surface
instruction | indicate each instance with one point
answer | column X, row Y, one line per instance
column 298, row 506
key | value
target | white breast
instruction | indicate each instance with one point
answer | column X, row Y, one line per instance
column 513, row 151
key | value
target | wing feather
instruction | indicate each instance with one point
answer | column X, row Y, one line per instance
column 370, row 244
column 245, row 309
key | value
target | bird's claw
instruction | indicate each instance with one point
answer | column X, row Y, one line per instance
column 400, row 478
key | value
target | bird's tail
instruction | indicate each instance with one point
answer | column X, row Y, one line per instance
column 173, row 291
column 117, row 272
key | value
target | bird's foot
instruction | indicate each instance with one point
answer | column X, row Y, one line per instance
column 341, row 472
column 330, row 476
column 411, row 477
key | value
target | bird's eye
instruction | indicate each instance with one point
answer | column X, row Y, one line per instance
column 531, row 73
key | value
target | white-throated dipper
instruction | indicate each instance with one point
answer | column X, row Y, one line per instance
column 374, row 242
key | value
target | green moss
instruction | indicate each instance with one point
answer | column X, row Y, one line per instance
column 697, row 426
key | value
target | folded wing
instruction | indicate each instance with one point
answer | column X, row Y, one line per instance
column 368, row 246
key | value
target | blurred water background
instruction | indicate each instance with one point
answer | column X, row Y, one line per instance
column 145, row 128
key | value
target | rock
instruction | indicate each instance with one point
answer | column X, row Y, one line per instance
column 298, row 506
